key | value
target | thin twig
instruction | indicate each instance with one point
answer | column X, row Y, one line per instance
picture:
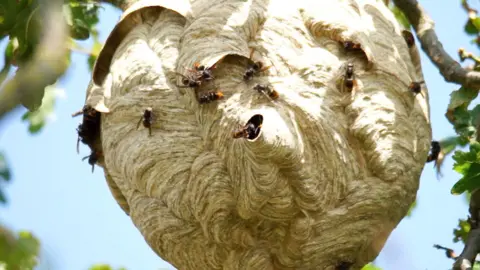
column 467, row 55
column 451, row 70
column 471, row 11
column 466, row 260
column 449, row 253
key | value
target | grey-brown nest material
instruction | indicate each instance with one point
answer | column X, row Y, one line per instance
column 334, row 168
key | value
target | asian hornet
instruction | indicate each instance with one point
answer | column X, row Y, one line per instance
column 147, row 120
column 434, row 151
column 267, row 90
column 210, row 97
column 93, row 158
column 254, row 68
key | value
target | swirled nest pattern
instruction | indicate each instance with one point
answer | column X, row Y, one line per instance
column 331, row 173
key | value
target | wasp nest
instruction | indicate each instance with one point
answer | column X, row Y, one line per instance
column 309, row 163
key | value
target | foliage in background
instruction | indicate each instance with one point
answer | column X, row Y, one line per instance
column 105, row 267
column 20, row 25
column 37, row 119
column 18, row 251
column 5, row 176
column 371, row 267
column 465, row 120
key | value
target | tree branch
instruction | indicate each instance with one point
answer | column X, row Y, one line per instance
column 449, row 253
column 47, row 64
column 466, row 259
column 451, row 70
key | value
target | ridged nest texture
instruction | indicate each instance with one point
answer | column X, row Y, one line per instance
column 332, row 171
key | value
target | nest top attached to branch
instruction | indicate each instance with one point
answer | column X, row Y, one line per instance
column 342, row 144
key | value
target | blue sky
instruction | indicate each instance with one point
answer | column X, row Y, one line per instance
column 55, row 195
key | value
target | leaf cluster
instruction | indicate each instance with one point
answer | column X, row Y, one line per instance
column 22, row 23
column 465, row 118
column 38, row 118
column 104, row 267
column 472, row 25
column 19, row 21
column 466, row 123
column 22, row 26
column 461, row 232
column 18, row 251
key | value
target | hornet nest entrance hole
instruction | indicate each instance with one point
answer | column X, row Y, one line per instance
column 255, row 126
column 252, row 128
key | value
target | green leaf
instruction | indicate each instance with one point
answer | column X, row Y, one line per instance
column 470, row 28
column 26, row 31
column 104, row 267
column 79, row 33
column 80, row 23
column 461, row 118
column 402, row 20
column 7, row 59
column 9, row 12
column 26, row 250
column 18, row 252
column 28, row 243
column 83, row 17
column 459, row 115
column 6, row 175
column 3, row 198
column 461, row 232
column 471, row 156
column 38, row 118
column 412, row 207
column 91, row 62
column 475, row 114
column 461, row 158
column 476, row 23
column 467, row 164
column 371, row 266
column 469, row 181
column 462, row 96
column 4, row 169
column 97, row 47
column 100, row 267
column 449, row 144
